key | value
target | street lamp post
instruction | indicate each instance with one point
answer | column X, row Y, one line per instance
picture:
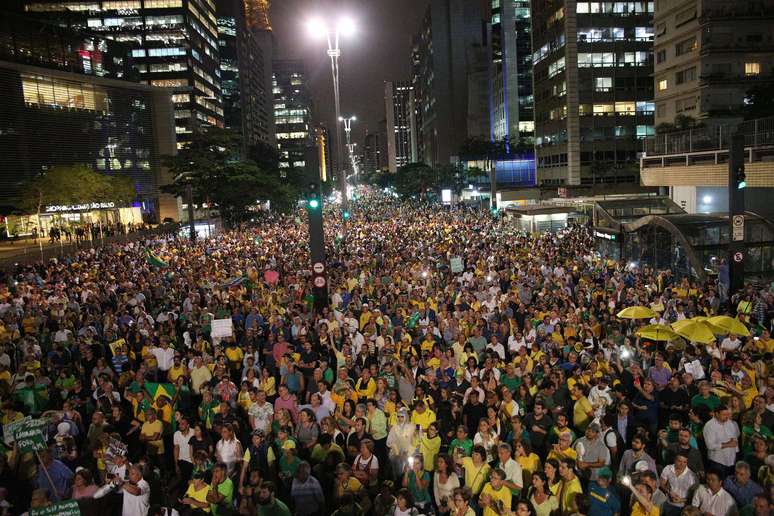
column 316, row 27
column 348, row 133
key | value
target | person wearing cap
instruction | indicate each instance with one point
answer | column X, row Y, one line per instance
column 603, row 498
column 259, row 456
column 592, row 452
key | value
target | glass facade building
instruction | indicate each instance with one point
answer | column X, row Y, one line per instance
column 292, row 112
column 67, row 101
column 593, row 67
column 174, row 44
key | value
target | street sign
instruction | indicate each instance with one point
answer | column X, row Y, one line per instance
column 737, row 225
column 68, row 508
column 319, row 282
column 29, row 435
column 738, row 257
column 318, row 267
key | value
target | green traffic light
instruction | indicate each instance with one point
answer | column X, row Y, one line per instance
column 346, row 215
column 314, row 204
column 741, row 185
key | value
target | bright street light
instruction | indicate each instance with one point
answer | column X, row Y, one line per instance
column 345, row 26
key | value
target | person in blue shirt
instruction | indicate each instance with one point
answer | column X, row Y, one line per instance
column 603, row 498
column 61, row 477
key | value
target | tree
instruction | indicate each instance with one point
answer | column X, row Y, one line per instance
column 415, row 179
column 211, row 163
column 73, row 185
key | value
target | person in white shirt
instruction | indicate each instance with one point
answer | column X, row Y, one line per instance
column 165, row 357
column 676, row 481
column 730, row 343
column 513, row 471
column 136, row 493
column 182, row 450
column 721, row 436
column 712, row 499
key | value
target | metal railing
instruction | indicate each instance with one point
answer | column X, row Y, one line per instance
column 756, row 133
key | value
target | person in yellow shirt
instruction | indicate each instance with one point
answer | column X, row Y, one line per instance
column 345, row 482
column 562, row 449
column 569, row 486
column 422, row 415
column 365, row 386
column 643, row 506
column 475, row 469
column 196, row 494
column 151, row 433
column 495, row 497
column 429, row 446
column 177, row 370
column 582, row 411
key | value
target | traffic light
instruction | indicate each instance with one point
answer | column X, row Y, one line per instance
column 741, row 177
column 346, row 215
column 313, row 197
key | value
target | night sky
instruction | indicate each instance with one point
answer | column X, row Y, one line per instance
column 379, row 52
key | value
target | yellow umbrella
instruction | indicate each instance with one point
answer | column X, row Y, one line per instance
column 657, row 332
column 636, row 312
column 729, row 325
column 695, row 331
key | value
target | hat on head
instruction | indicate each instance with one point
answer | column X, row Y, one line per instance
column 605, row 472
column 259, row 433
column 289, row 445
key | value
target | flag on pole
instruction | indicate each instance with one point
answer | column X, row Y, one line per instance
column 412, row 322
column 154, row 260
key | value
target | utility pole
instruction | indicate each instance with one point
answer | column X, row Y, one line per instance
column 314, row 209
column 737, row 183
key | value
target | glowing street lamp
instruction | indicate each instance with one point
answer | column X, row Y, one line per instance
column 319, row 28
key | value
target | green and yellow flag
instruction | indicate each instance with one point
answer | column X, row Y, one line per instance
column 154, row 260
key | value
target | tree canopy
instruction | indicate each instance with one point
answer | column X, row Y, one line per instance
column 211, row 162
column 75, row 184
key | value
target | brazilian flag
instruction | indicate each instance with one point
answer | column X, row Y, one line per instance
column 154, row 260
column 412, row 321
column 157, row 390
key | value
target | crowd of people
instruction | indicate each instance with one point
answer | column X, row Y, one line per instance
column 459, row 367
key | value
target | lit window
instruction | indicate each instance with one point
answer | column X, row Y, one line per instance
column 662, row 84
column 110, row 5
column 752, row 69
column 603, row 109
column 624, row 108
column 643, row 131
column 603, row 84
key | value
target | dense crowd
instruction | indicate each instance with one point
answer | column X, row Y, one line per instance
column 172, row 377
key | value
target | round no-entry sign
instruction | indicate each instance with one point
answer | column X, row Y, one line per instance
column 319, row 282
column 738, row 256
column 318, row 267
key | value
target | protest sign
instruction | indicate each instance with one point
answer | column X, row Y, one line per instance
column 222, row 328
column 10, row 428
column 456, row 264
column 68, row 508
column 30, row 435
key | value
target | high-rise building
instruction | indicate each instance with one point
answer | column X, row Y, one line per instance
column 448, row 57
column 512, row 102
column 73, row 98
column 709, row 55
column 399, row 107
column 372, row 153
column 248, row 107
column 322, row 147
column 593, row 65
column 174, row 45
column 292, row 112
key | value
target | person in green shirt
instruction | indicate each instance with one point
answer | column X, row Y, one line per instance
column 462, row 444
column 705, row 397
column 509, row 379
column 288, row 462
column 221, row 495
column 377, row 427
column 268, row 505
